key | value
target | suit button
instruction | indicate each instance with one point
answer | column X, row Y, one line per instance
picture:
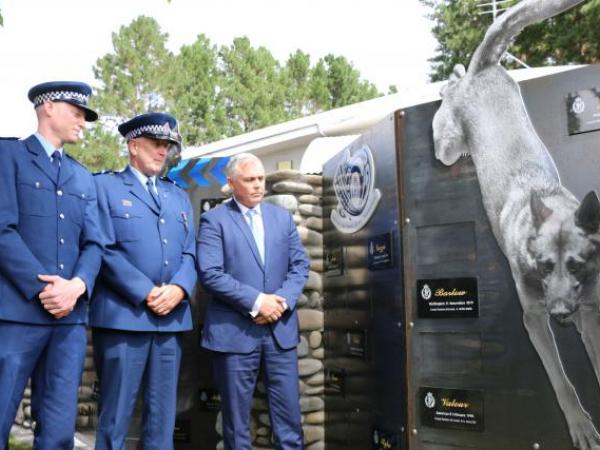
column 37, row 184
column 162, row 220
column 82, row 195
column 127, row 215
column 61, row 240
column 61, row 266
column 166, row 263
column 165, row 241
column 62, row 216
column 59, row 193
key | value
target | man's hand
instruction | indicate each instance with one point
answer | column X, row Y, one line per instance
column 162, row 300
column 60, row 295
column 271, row 309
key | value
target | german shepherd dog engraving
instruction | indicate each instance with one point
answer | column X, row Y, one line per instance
column 551, row 241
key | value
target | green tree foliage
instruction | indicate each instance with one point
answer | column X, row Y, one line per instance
column 213, row 92
column 99, row 149
column 459, row 26
column 337, row 83
column 193, row 90
column 296, row 76
column 252, row 87
column 133, row 77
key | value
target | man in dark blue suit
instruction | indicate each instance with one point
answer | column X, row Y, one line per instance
column 51, row 252
column 251, row 259
column 141, row 303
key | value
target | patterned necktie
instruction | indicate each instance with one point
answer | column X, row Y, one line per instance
column 152, row 192
column 56, row 156
column 258, row 232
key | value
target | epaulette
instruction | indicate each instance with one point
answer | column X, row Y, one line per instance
column 74, row 160
column 105, row 171
column 9, row 138
column 168, row 180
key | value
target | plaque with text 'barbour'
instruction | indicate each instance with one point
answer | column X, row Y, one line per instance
column 447, row 298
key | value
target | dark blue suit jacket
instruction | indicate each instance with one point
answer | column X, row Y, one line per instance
column 47, row 226
column 230, row 267
column 145, row 247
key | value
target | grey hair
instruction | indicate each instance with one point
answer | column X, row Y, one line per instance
column 238, row 160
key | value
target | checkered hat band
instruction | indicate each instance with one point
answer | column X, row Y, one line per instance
column 157, row 130
column 61, row 96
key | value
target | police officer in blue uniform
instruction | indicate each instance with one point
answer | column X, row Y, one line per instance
column 141, row 303
column 51, row 250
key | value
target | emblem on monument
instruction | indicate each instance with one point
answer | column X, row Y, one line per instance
column 578, row 105
column 429, row 400
column 354, row 186
column 426, row 292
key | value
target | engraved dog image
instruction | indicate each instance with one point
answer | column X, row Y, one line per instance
column 551, row 241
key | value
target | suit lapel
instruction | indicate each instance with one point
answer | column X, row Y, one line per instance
column 239, row 220
column 136, row 188
column 40, row 158
column 269, row 226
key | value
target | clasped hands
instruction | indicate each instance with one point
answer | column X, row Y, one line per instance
column 60, row 295
column 271, row 309
column 163, row 299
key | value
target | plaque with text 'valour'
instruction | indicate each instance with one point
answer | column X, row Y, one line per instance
column 456, row 409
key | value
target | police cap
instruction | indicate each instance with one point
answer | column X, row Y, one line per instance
column 155, row 125
column 73, row 92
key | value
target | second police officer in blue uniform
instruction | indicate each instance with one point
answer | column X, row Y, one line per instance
column 141, row 302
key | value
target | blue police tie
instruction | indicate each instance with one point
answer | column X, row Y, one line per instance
column 258, row 232
column 152, row 191
column 56, row 156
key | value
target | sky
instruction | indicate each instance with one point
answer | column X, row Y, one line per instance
column 388, row 41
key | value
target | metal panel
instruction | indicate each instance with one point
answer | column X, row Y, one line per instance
column 364, row 400
column 446, row 235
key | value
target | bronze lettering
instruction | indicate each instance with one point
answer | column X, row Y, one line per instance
column 441, row 292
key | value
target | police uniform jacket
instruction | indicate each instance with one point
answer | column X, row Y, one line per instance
column 146, row 246
column 48, row 225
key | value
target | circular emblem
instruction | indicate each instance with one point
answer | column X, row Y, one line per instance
column 426, row 292
column 354, row 186
column 429, row 400
column 578, row 105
